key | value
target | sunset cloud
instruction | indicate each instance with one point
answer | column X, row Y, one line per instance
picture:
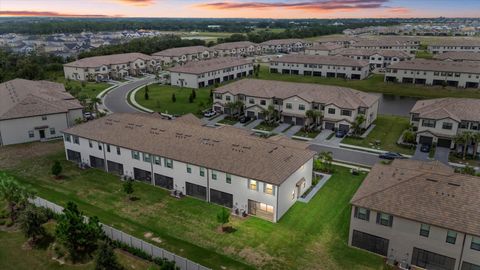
column 326, row 5
column 47, row 14
column 137, row 2
column 399, row 10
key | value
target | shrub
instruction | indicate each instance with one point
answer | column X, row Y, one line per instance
column 174, row 98
column 223, row 217
column 409, row 137
column 57, row 168
column 2, row 221
column 106, row 259
column 9, row 223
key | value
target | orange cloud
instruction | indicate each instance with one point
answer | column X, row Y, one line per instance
column 27, row 13
column 400, row 10
column 137, row 2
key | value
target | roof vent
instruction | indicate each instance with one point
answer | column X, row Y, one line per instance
column 432, row 180
column 453, row 184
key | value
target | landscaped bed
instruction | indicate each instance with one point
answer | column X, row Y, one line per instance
column 307, row 134
column 308, row 235
column 265, row 126
column 385, row 135
column 228, row 121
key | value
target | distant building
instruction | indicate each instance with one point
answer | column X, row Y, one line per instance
column 284, row 45
column 454, row 45
column 408, row 45
column 458, row 56
column 376, row 58
column 323, row 49
column 183, row 54
column 235, row 49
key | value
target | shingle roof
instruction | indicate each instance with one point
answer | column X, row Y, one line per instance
column 455, row 42
column 233, row 45
column 370, row 52
column 325, row 47
column 222, row 149
column 320, row 60
column 382, row 42
column 427, row 192
column 276, row 42
column 182, row 51
column 435, row 65
column 464, row 56
column 209, row 65
column 467, row 109
column 23, row 98
column 326, row 94
column 112, row 59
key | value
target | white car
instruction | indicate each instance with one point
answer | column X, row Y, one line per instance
column 209, row 113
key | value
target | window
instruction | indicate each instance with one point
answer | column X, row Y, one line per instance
column 147, row 158
column 251, row 101
column 218, row 96
column 268, row 188
column 362, row 213
column 424, row 230
column 157, row 160
column 288, row 105
column 67, row 137
column 108, row 148
column 118, row 151
column 474, row 126
column 100, row 146
column 447, row 125
column 76, row 140
column 52, row 131
column 44, row 117
column 31, row 134
column 136, row 155
column 228, row 98
column 301, row 107
column 362, row 110
column 228, row 178
column 189, row 168
column 428, row 123
column 384, row 219
column 346, row 113
column 464, row 124
column 263, row 102
column 214, row 175
column 253, row 185
column 475, row 243
column 168, row 163
column 202, row 172
column 90, row 144
column 451, row 237
column 331, row 111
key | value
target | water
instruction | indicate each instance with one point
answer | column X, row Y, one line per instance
column 395, row 105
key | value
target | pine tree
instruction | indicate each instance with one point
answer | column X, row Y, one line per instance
column 174, row 98
column 106, row 259
column 57, row 168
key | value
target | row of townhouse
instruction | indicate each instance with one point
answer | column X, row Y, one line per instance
column 322, row 66
column 458, row 56
column 405, row 45
column 226, row 165
column 440, row 120
column 183, row 54
column 418, row 213
column 376, row 58
column 433, row 72
column 247, row 48
column 323, row 49
column 115, row 66
column 454, row 45
column 210, row 72
column 35, row 111
column 339, row 105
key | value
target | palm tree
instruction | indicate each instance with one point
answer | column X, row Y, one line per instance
column 464, row 139
column 238, row 106
column 326, row 159
column 231, row 107
column 356, row 125
column 95, row 101
column 310, row 114
column 270, row 114
column 475, row 140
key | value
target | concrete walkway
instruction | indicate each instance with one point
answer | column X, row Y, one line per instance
column 322, row 137
column 253, row 124
column 281, row 128
column 441, row 154
column 319, row 185
column 212, row 122
column 291, row 131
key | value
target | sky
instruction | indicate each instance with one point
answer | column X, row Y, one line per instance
column 243, row 8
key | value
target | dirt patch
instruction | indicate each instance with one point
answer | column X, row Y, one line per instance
column 255, row 257
column 157, row 240
column 148, row 235
column 13, row 155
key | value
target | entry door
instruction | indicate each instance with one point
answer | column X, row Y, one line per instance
column 252, row 207
column 42, row 133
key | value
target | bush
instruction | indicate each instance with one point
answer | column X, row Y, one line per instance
column 409, row 137
column 106, row 259
column 9, row 223
column 57, row 168
column 2, row 221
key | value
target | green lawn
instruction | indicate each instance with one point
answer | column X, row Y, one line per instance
column 311, row 134
column 375, row 83
column 265, row 127
column 308, row 236
column 76, row 88
column 423, row 54
column 388, row 130
column 160, row 99
column 228, row 121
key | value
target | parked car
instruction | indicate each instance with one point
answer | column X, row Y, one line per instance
column 209, row 113
column 425, row 148
column 340, row 133
column 244, row 119
column 391, row 155
column 88, row 116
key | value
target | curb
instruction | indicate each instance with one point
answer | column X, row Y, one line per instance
column 131, row 99
column 364, row 149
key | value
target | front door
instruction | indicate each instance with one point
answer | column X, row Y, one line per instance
column 41, row 132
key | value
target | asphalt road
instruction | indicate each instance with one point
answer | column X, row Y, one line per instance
column 347, row 155
column 116, row 100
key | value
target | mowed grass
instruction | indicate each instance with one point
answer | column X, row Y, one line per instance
column 309, row 236
column 76, row 88
column 388, row 130
column 375, row 83
column 160, row 99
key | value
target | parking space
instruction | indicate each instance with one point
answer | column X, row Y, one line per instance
column 441, row 154
column 212, row 122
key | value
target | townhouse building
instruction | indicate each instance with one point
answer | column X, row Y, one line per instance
column 35, row 111
column 418, row 213
column 454, row 45
column 209, row 72
column 236, row 49
column 433, row 72
column 226, row 165
column 339, row 105
column 284, row 45
column 440, row 120
column 322, row 66
column 399, row 44
column 345, row 41
column 183, row 54
column 323, row 49
column 115, row 66
column 378, row 59
column 458, row 56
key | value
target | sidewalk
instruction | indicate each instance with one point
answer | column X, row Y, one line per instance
column 319, row 185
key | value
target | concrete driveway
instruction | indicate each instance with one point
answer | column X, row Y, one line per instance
column 253, row 124
column 291, row 131
column 441, row 154
column 419, row 155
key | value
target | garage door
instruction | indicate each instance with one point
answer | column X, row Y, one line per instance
column 287, row 119
column 370, row 242
column 163, row 181
column 222, row 198
column 251, row 114
column 260, row 116
column 196, row 191
column 329, row 126
column 425, row 140
column 444, row 143
column 96, row 162
column 299, row 121
column 345, row 128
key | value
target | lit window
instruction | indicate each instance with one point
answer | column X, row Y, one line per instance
column 268, row 188
column 265, row 207
column 451, row 237
column 253, row 185
column 425, row 230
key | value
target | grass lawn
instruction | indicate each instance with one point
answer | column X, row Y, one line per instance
column 265, row 127
column 311, row 134
column 375, row 83
column 88, row 89
column 228, row 121
column 388, row 129
column 309, row 236
column 160, row 99
column 423, row 54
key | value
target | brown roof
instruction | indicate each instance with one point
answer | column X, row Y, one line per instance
column 435, row 65
column 320, row 60
column 233, row 45
column 24, row 98
column 210, row 65
column 325, row 47
column 427, row 192
column 112, row 59
column 276, row 42
column 370, row 52
column 382, row 42
column 221, row 149
column 467, row 109
column 464, row 56
column 455, row 42
column 326, row 94
column 337, row 39
column 182, row 51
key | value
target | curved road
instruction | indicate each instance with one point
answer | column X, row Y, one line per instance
column 116, row 100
